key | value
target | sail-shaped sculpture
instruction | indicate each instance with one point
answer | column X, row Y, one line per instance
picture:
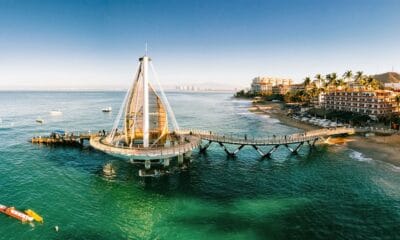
column 145, row 115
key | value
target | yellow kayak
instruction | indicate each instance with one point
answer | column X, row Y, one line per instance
column 34, row 215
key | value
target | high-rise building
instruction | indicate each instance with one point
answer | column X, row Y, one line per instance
column 264, row 85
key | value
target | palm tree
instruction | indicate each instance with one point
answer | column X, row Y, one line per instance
column 398, row 102
column 307, row 81
column 371, row 82
column 314, row 92
column 359, row 75
column 347, row 75
column 320, row 79
column 334, row 75
column 341, row 83
column 333, row 79
column 328, row 80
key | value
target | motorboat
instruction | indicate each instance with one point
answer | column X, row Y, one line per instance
column 108, row 109
column 39, row 120
column 55, row 112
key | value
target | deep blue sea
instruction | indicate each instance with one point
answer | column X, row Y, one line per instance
column 332, row 192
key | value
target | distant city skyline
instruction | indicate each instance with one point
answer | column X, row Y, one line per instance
column 96, row 44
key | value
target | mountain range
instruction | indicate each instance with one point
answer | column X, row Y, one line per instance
column 389, row 77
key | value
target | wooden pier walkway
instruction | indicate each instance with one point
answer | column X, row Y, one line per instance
column 77, row 138
column 292, row 142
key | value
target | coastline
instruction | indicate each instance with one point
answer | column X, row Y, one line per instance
column 275, row 111
column 382, row 148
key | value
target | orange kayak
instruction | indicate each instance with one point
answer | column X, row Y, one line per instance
column 10, row 211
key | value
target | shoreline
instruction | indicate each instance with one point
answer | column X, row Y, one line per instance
column 381, row 148
column 275, row 111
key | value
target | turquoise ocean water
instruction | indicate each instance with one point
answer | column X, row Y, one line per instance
column 330, row 193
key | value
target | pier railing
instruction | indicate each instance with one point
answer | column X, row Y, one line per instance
column 189, row 144
column 189, row 139
column 270, row 140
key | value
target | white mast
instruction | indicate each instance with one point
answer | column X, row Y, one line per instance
column 145, row 62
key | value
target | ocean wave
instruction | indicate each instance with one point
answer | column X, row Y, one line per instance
column 251, row 115
column 239, row 101
column 359, row 156
column 394, row 167
column 362, row 158
column 244, row 113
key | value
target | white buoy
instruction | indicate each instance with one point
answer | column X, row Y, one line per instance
column 147, row 164
column 56, row 228
column 166, row 162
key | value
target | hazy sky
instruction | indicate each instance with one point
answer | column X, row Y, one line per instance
column 95, row 44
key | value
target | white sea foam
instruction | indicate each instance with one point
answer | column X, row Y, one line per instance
column 359, row 156
column 248, row 102
column 244, row 113
column 362, row 158
column 394, row 167
column 272, row 120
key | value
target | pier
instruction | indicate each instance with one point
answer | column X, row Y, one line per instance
column 292, row 142
column 192, row 138
column 145, row 129
column 64, row 138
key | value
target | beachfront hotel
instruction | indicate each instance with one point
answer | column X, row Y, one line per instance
column 393, row 86
column 265, row 85
column 366, row 102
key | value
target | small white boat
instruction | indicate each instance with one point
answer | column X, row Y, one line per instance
column 55, row 112
column 39, row 120
column 108, row 109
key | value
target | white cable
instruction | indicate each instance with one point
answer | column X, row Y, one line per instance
column 165, row 100
column 117, row 119
column 111, row 136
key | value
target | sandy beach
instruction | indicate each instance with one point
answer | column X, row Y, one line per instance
column 383, row 148
column 275, row 111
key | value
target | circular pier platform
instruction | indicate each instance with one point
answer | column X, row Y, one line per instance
column 138, row 152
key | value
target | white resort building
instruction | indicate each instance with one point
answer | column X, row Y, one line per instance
column 264, row 85
column 366, row 102
column 393, row 86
